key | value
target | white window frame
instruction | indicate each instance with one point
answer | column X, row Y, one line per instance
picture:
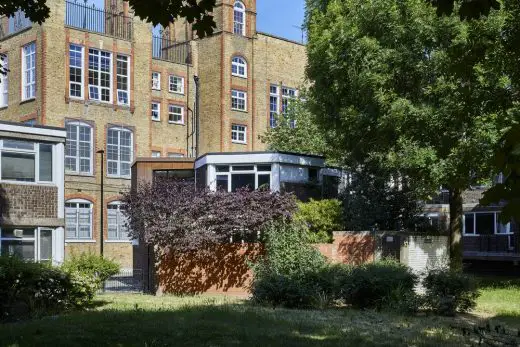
column 171, row 113
column 99, row 54
column 119, row 162
column 288, row 94
column 77, row 157
column 156, row 154
column 175, row 155
column 36, row 239
column 36, row 152
column 174, row 80
column 120, row 92
column 274, row 94
column 4, row 82
column 156, row 80
column 495, row 223
column 81, row 68
column 120, row 220
column 29, row 68
column 239, row 18
column 241, row 97
column 238, row 63
column 156, row 114
column 229, row 173
column 77, row 212
column 236, row 131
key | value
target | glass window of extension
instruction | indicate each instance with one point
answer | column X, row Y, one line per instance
column 156, row 111
column 119, row 152
column 116, row 221
column 25, row 161
column 176, row 84
column 238, row 100
column 75, row 71
column 274, row 105
column 484, row 223
column 30, row 244
column 239, row 16
column 238, row 133
column 79, row 148
column 99, row 75
column 123, row 79
column 78, row 219
column 175, row 114
column 230, row 178
column 29, row 71
column 239, row 67
column 4, row 82
column 156, row 80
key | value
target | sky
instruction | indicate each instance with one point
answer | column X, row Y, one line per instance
column 278, row 17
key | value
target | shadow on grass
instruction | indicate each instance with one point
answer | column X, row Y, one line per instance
column 227, row 325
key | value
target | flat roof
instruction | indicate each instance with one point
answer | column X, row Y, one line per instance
column 262, row 152
column 31, row 126
column 35, row 130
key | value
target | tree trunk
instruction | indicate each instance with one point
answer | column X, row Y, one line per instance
column 456, row 212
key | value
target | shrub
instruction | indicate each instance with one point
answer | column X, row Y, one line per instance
column 322, row 217
column 99, row 268
column 448, row 292
column 373, row 285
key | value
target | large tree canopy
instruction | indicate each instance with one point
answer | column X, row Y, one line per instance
column 198, row 12
column 397, row 84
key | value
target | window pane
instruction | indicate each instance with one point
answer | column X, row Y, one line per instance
column 222, row 182
column 242, row 181
column 19, row 248
column 485, row 223
column 45, row 244
column 264, row 168
column 18, row 167
column 17, row 233
column 45, row 162
column 19, row 144
column 468, row 223
column 264, row 181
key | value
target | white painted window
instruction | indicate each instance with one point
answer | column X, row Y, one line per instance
column 239, row 67
column 78, row 219
column 239, row 18
column 156, row 154
column 156, row 111
column 232, row 177
column 175, row 155
column 29, row 71
column 79, row 148
column 176, row 84
column 99, row 75
column 116, row 221
column 238, row 100
column 274, row 104
column 119, row 152
column 29, row 244
column 4, row 82
column 25, row 161
column 123, row 79
column 156, row 80
column 75, row 71
column 287, row 95
column 238, row 133
column 484, row 223
column 175, row 114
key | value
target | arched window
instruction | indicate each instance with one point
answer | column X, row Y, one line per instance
column 79, row 148
column 239, row 18
column 239, row 67
column 78, row 219
column 120, row 152
column 116, row 221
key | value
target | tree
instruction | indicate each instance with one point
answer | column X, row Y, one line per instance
column 198, row 12
column 172, row 214
column 425, row 95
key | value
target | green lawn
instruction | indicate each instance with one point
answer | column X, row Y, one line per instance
column 139, row 320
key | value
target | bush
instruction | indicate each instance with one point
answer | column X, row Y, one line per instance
column 29, row 289
column 99, row 268
column 322, row 217
column 448, row 292
column 373, row 285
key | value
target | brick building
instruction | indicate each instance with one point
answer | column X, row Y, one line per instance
column 120, row 86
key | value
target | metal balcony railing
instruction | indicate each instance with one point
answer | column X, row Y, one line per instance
column 12, row 25
column 175, row 52
column 97, row 20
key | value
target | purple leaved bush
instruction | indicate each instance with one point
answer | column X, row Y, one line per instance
column 172, row 214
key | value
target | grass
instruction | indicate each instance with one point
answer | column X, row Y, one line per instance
column 140, row 320
column 500, row 301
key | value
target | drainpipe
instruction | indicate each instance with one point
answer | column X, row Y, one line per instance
column 197, row 114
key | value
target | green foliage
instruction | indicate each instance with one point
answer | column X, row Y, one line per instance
column 99, row 268
column 322, row 217
column 448, row 292
column 372, row 285
column 83, row 289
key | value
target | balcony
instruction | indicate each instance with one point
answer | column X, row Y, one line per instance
column 492, row 247
column 12, row 25
column 92, row 19
column 175, row 52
